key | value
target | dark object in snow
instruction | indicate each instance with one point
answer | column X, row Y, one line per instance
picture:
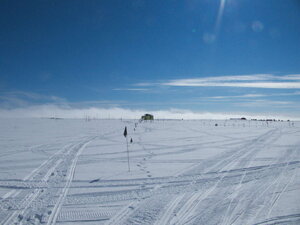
column 39, row 217
column 93, row 181
column 131, row 140
column 216, row 125
column 125, row 132
column 242, row 118
column 125, row 135
column 20, row 217
column 147, row 117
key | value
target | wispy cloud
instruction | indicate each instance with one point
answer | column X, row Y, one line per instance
column 292, row 77
column 130, row 89
column 237, row 96
column 278, row 85
column 262, row 103
column 147, row 84
column 255, row 102
column 13, row 99
column 32, row 95
column 268, row 81
column 253, row 95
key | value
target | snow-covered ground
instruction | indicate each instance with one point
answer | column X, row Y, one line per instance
column 181, row 172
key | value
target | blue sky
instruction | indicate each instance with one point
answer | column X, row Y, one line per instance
column 217, row 56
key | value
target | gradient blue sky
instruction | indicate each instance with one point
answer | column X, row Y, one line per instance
column 199, row 55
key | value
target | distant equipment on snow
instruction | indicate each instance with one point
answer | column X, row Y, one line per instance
column 147, row 117
column 243, row 118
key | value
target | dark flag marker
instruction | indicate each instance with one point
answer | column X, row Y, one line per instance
column 125, row 132
column 125, row 135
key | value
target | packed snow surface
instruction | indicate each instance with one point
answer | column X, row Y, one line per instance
column 63, row 171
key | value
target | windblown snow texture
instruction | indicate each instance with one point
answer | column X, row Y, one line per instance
column 182, row 172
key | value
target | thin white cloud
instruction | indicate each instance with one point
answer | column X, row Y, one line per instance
column 244, row 81
column 9, row 101
column 237, row 96
column 264, row 103
column 32, row 95
column 130, row 89
column 12, row 99
column 275, row 85
column 252, row 95
column 146, row 84
column 271, row 104
column 292, row 77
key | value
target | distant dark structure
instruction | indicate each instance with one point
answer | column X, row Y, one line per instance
column 243, row 118
column 147, row 117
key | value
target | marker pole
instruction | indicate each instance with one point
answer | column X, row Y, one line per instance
column 127, row 154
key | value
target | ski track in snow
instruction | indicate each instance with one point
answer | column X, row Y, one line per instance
column 45, row 171
column 229, row 187
column 56, row 209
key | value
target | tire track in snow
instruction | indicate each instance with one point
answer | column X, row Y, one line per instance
column 186, row 213
column 35, row 174
column 277, row 196
column 273, row 183
column 121, row 215
column 45, row 172
column 56, row 209
column 237, row 189
column 85, row 215
column 250, row 154
column 175, row 187
column 31, row 197
column 186, row 210
column 286, row 219
column 169, row 211
column 257, row 194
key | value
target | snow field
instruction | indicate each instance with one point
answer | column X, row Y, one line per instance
column 182, row 172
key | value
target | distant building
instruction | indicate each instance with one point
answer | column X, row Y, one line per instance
column 243, row 118
column 147, row 117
